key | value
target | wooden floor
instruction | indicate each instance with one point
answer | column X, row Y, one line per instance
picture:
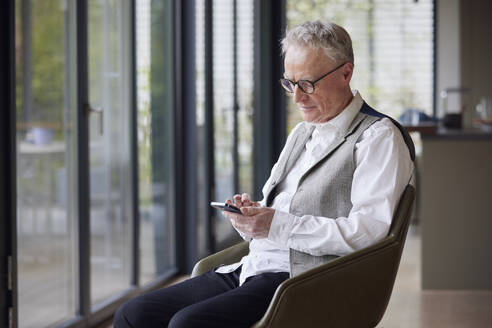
column 411, row 307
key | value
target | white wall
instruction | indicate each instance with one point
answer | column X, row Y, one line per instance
column 463, row 52
column 448, row 52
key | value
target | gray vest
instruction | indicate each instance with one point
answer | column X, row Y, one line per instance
column 325, row 189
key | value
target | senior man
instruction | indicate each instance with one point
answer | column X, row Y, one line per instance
column 332, row 191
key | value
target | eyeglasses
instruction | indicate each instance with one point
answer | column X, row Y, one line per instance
column 305, row 85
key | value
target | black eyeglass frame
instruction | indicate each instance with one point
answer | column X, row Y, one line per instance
column 312, row 83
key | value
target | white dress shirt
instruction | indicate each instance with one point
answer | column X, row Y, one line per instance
column 383, row 169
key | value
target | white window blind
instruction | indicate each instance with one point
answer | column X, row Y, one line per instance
column 393, row 48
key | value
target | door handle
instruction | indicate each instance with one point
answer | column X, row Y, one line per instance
column 97, row 110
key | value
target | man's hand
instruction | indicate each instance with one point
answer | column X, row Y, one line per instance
column 242, row 201
column 255, row 221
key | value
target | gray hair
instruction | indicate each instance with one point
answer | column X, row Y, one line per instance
column 330, row 37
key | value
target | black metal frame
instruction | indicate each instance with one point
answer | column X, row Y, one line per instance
column 185, row 135
column 269, row 113
column 235, row 108
column 134, row 150
column 209, row 123
column 434, row 61
column 8, row 208
column 83, row 183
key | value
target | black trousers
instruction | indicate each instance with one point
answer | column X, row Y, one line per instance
column 209, row 300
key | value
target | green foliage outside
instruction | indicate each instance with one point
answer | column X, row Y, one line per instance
column 47, row 60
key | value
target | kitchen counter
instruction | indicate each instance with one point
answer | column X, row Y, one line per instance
column 460, row 134
column 455, row 212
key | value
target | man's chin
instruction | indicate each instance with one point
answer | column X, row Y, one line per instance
column 309, row 116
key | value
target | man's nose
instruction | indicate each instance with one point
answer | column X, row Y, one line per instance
column 298, row 94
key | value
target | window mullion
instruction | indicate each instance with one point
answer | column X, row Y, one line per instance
column 83, row 160
column 135, row 220
column 235, row 153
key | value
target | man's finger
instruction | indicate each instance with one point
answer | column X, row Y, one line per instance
column 245, row 197
column 237, row 200
column 250, row 210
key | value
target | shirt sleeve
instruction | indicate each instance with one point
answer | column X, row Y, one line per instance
column 245, row 237
column 383, row 169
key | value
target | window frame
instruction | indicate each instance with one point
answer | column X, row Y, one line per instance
column 86, row 314
column 270, row 115
column 268, row 138
column 8, row 209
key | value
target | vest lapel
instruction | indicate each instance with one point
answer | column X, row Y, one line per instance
column 334, row 145
column 298, row 145
column 291, row 154
column 296, row 150
column 339, row 139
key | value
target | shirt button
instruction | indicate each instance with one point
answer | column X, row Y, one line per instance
column 274, row 182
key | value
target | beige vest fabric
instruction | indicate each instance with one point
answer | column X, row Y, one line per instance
column 325, row 189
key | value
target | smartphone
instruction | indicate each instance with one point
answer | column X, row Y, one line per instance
column 225, row 207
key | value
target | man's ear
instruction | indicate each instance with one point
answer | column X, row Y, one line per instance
column 348, row 70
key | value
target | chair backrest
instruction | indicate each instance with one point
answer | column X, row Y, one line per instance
column 397, row 237
column 350, row 291
column 403, row 214
column 393, row 243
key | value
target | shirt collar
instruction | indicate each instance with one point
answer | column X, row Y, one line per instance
column 341, row 122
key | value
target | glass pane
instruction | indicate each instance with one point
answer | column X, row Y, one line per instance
column 245, row 49
column 155, row 136
column 46, row 161
column 223, row 73
column 393, row 48
column 223, row 111
column 202, row 214
column 110, row 162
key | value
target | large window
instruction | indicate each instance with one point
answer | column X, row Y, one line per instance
column 155, row 130
column 233, row 73
column 224, row 111
column 104, row 129
column 393, row 49
column 46, row 162
column 79, row 130
column 245, row 96
column 202, row 131
column 109, row 147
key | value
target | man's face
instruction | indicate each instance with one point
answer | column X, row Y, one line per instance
column 330, row 93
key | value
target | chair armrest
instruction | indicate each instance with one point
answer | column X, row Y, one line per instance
column 229, row 255
column 330, row 293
